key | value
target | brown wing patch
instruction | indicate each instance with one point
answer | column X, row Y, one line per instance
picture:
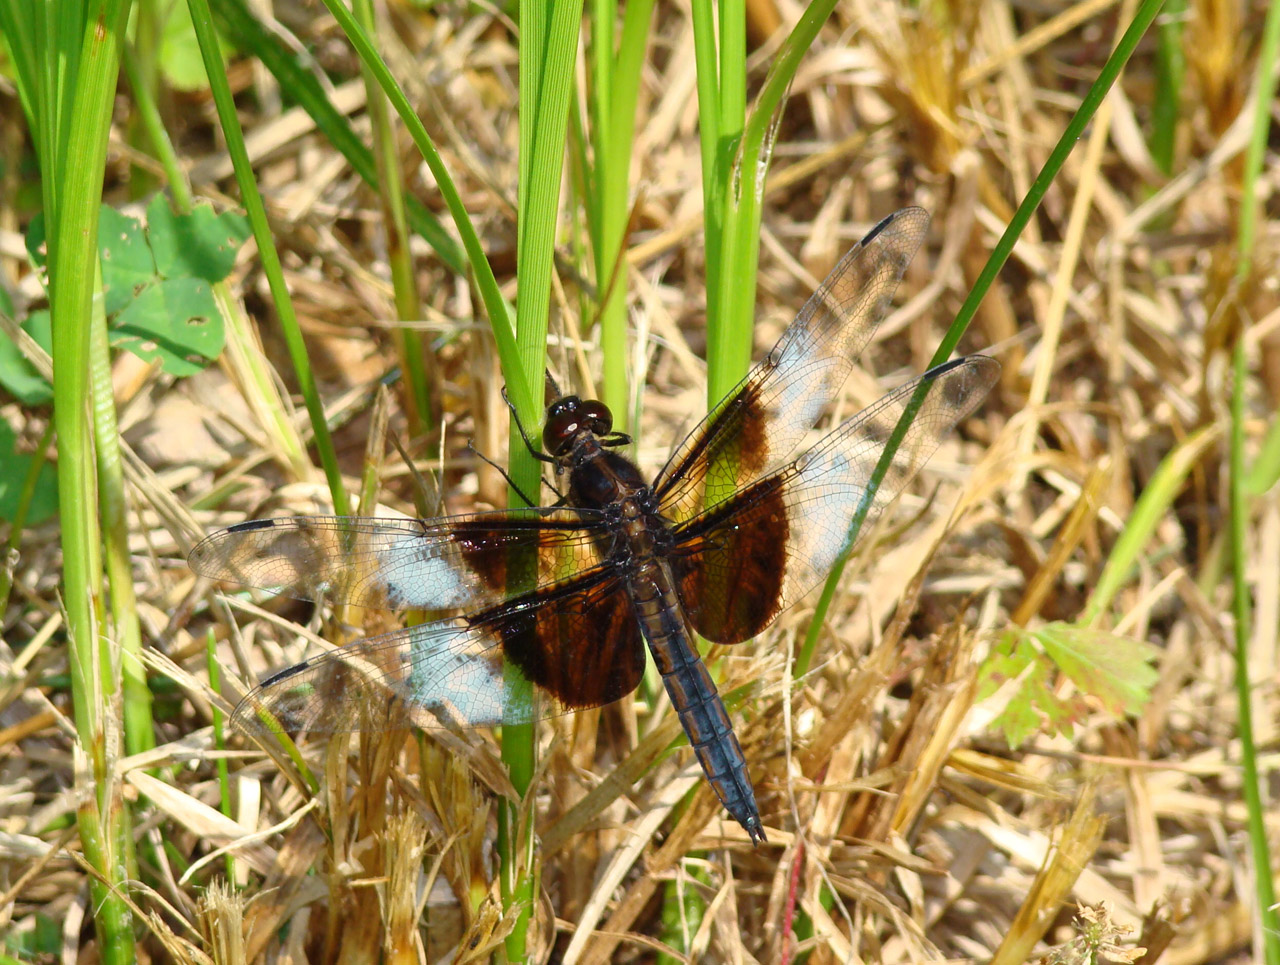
column 731, row 575
column 577, row 642
column 753, row 555
column 757, row 426
column 580, row 643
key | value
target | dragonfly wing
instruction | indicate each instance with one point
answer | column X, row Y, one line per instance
column 727, row 560
column 758, row 425
column 452, row 563
column 578, row 641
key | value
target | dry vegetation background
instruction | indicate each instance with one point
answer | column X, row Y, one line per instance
column 901, row 826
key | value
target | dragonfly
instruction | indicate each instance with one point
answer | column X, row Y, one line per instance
column 732, row 531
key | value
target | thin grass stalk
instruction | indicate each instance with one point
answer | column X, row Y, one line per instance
column 246, row 360
column 706, row 64
column 1263, row 884
column 614, row 95
column 519, row 388
column 1148, row 510
column 1171, row 69
column 548, row 50
column 729, row 330
column 144, row 81
column 420, row 407
column 1268, row 926
column 210, row 52
column 730, row 251
column 151, row 124
column 220, row 743
column 248, row 34
column 78, row 74
column 139, row 728
column 1075, row 128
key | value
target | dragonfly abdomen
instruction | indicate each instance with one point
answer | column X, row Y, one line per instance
column 694, row 696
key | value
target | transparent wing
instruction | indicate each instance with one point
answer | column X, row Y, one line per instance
column 578, row 642
column 727, row 560
column 451, row 563
column 758, row 425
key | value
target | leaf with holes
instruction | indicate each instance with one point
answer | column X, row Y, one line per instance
column 175, row 321
column 127, row 263
column 202, row 244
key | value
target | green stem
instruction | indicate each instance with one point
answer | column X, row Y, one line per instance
column 419, row 404
column 1171, row 67
column 202, row 21
column 77, row 93
column 1263, row 881
column 25, row 498
column 519, row 387
column 999, row 255
column 548, row 48
column 139, row 728
column 729, row 330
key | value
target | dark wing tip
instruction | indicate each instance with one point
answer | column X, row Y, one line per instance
column 253, row 524
column 912, row 212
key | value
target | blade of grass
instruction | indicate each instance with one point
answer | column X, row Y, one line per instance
column 247, row 363
column 729, row 327
column 1268, row 921
column 420, row 407
column 139, row 728
column 614, row 94
column 25, row 497
column 75, row 82
column 999, row 255
column 202, row 20
column 548, row 49
column 500, row 319
column 1171, row 68
column 1156, row 498
column 247, row 33
column 220, row 743
column 706, row 60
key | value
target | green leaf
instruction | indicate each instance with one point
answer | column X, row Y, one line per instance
column 175, row 321
column 1106, row 668
column 19, row 376
column 45, row 501
column 180, row 60
column 127, row 264
column 1116, row 670
column 202, row 244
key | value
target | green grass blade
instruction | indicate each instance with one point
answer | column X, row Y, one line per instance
column 79, row 77
column 999, row 255
column 419, row 403
column 548, row 49
column 1158, row 495
column 202, row 20
column 500, row 319
column 1268, row 925
column 615, row 93
column 244, row 30
column 707, row 65
column 139, row 728
column 1171, row 69
column 729, row 329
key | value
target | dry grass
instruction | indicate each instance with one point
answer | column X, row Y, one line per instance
column 901, row 827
